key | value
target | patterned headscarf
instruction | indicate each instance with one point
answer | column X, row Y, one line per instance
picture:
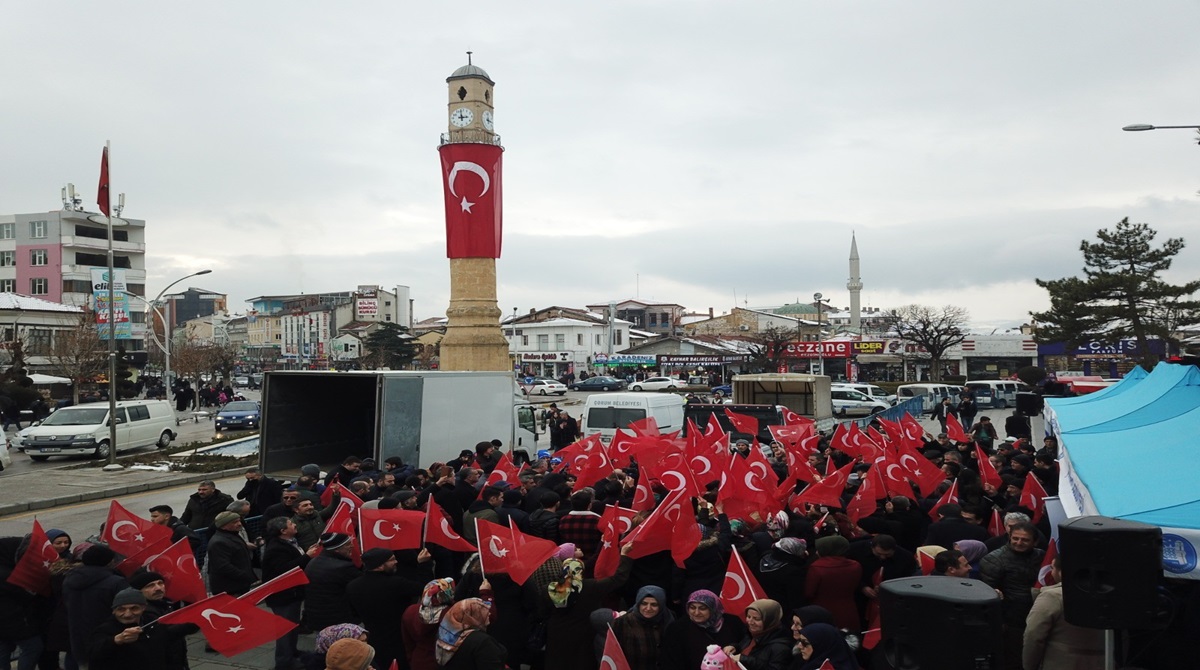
column 972, row 549
column 336, row 632
column 777, row 523
column 571, row 582
column 710, row 600
column 792, row 545
column 463, row 618
column 437, row 596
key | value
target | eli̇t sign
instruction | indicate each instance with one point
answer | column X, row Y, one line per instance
column 122, row 326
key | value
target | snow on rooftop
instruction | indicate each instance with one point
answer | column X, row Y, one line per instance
column 18, row 302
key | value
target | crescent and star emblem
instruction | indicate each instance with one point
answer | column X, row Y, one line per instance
column 117, row 526
column 676, row 475
column 741, row 584
column 208, row 614
column 707, row 464
column 379, row 534
column 749, row 482
column 608, row 661
column 468, row 166
column 494, row 546
column 445, row 524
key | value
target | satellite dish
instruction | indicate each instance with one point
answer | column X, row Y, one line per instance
column 103, row 220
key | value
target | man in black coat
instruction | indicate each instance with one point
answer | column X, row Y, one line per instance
column 380, row 595
column 163, row 515
column 260, row 491
column 154, row 588
column 204, row 505
column 329, row 574
column 230, row 559
column 346, row 472
column 88, row 592
column 123, row 642
column 951, row 527
column 282, row 553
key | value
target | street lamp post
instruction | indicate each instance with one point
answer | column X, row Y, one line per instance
column 820, row 300
column 1145, row 126
column 166, row 317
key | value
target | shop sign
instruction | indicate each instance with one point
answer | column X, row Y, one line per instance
column 818, row 350
column 548, row 357
column 630, row 359
column 700, row 359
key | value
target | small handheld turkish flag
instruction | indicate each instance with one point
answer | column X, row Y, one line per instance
column 1033, row 496
column 954, row 430
column 529, row 552
column 177, row 565
column 439, row 531
column 613, row 657
column 496, row 550
column 950, row 496
column 471, row 179
column 32, row 572
column 231, row 626
column 1045, row 575
column 740, row 587
column 128, row 533
column 390, row 528
column 290, row 579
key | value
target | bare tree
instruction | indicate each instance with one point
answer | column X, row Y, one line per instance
column 79, row 354
column 930, row 328
column 190, row 359
column 766, row 350
column 222, row 358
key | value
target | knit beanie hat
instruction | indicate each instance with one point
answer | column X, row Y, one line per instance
column 225, row 518
column 349, row 654
column 98, row 555
column 128, row 597
column 139, row 580
column 373, row 558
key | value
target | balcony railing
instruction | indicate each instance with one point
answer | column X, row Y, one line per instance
column 102, row 245
column 470, row 137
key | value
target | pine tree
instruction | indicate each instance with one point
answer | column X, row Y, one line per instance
column 390, row 346
column 1121, row 294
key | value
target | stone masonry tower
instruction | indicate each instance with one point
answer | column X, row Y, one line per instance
column 855, row 286
column 471, row 160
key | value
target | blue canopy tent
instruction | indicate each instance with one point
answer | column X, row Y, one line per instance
column 1125, row 455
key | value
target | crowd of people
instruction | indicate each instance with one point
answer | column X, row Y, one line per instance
column 424, row 608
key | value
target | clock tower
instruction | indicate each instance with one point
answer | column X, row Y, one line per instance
column 471, row 176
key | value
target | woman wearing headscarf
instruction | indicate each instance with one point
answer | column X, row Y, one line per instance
column 974, row 550
column 419, row 625
column 687, row 639
column 640, row 630
column 782, row 570
column 832, row 581
column 820, row 643
column 767, row 645
column 462, row 639
column 326, row 637
column 349, row 654
column 568, row 604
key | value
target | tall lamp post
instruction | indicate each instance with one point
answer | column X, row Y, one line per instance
column 166, row 317
column 820, row 300
column 1145, row 126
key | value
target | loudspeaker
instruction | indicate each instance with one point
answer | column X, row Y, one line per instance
column 1029, row 404
column 1111, row 570
column 938, row 623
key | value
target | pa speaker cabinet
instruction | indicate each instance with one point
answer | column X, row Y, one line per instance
column 1111, row 570
column 1029, row 404
column 939, row 623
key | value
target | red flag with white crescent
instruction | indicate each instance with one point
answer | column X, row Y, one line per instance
column 613, row 657
column 439, row 531
column 180, row 573
column 128, row 533
column 529, row 552
column 1045, row 576
column 32, row 572
column 231, row 626
column 740, row 587
column 390, row 528
column 996, row 524
column 1033, row 496
column 474, row 211
column 288, row 580
column 496, row 549
column 987, row 471
column 505, row 471
column 954, row 430
column 791, row 418
column 609, row 556
column 950, row 496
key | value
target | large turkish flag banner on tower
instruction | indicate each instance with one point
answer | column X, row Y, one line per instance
column 471, row 180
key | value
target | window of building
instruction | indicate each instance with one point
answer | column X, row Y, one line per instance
column 8, row 259
column 100, row 260
column 137, row 317
column 38, row 257
column 653, row 319
column 101, row 233
column 39, row 286
column 8, row 285
column 543, row 342
column 597, row 340
column 617, row 337
column 560, row 341
column 579, row 340
column 37, row 230
column 524, row 340
column 76, row 286
column 37, row 340
column 664, row 319
column 387, row 317
column 8, row 231
column 136, row 289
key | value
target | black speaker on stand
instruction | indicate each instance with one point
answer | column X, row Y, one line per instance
column 1111, row 570
column 938, row 623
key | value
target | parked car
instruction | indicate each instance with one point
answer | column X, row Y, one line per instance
column 238, row 415
column 241, row 382
column 847, row 402
column 723, row 391
column 868, row 389
column 598, row 383
column 545, row 387
column 84, row 429
column 657, row 384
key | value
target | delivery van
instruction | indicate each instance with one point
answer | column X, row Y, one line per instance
column 83, row 429
column 931, row 394
column 1001, row 393
column 606, row 413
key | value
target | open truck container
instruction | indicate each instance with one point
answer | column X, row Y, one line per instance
column 806, row 395
column 421, row 416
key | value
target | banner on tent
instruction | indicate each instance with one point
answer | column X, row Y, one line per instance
column 1179, row 553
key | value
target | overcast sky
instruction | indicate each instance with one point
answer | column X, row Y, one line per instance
column 692, row 152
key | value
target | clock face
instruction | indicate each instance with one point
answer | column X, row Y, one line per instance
column 487, row 120
column 462, row 117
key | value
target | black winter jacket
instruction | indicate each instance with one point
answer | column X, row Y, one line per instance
column 278, row 557
column 772, row 651
column 230, row 564
column 325, row 602
column 88, row 592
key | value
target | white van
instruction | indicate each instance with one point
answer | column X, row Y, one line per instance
column 83, row 429
column 605, row 413
column 931, row 394
column 1003, row 392
column 848, row 402
column 868, row 390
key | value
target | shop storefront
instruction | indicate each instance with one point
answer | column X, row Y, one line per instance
column 703, row 369
column 553, row 364
column 841, row 359
column 625, row 365
column 1098, row 358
